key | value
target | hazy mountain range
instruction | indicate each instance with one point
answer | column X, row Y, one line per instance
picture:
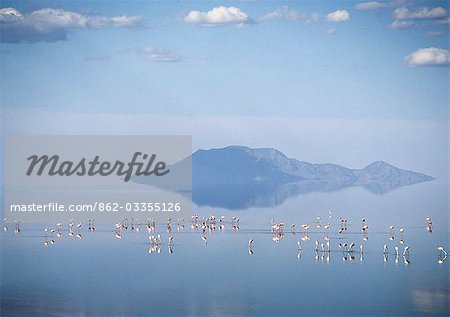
column 242, row 165
column 241, row 177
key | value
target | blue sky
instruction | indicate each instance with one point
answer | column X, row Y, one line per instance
column 279, row 66
column 331, row 68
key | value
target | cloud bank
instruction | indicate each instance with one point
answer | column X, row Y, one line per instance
column 431, row 56
column 51, row 25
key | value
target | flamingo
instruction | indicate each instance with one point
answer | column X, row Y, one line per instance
column 442, row 250
column 5, row 227
column 429, row 224
column 401, row 234
column 158, row 239
column 305, row 228
column 442, row 254
column 391, row 231
column 350, row 248
column 59, row 225
column 17, row 227
column 406, row 251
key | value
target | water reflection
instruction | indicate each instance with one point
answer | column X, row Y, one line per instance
column 243, row 196
column 247, row 259
column 338, row 249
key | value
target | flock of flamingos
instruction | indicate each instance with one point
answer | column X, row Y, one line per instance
column 208, row 225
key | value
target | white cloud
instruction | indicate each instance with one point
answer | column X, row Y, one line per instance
column 219, row 16
column 10, row 14
column 331, row 31
column 282, row 13
column 402, row 24
column 370, row 5
column 51, row 25
column 404, row 13
column 338, row 16
column 152, row 54
column 431, row 56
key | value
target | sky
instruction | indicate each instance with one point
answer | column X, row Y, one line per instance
column 339, row 73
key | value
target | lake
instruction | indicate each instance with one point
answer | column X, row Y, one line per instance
column 100, row 275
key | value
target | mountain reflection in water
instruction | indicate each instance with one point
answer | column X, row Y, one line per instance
column 256, row 194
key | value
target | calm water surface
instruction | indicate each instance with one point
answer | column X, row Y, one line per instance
column 103, row 276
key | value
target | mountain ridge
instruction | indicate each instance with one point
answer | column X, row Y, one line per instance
column 240, row 177
column 241, row 164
